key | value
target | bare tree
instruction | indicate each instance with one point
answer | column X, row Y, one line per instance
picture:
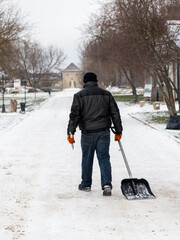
column 135, row 34
column 105, row 44
column 145, row 24
column 36, row 61
column 12, row 29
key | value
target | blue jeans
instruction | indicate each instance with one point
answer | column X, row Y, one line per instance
column 99, row 142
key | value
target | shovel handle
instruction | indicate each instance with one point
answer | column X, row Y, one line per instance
column 125, row 159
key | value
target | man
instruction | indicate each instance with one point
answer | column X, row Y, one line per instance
column 93, row 109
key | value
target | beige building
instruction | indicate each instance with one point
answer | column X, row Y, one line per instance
column 72, row 77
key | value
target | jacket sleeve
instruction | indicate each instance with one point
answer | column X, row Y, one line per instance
column 74, row 116
column 115, row 115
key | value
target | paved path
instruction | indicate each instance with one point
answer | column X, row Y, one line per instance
column 39, row 174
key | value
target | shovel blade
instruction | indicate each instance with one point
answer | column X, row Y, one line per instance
column 136, row 189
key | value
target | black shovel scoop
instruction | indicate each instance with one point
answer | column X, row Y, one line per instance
column 133, row 188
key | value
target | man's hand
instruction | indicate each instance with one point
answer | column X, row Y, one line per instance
column 117, row 137
column 70, row 139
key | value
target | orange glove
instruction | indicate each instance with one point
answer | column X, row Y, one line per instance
column 117, row 137
column 70, row 139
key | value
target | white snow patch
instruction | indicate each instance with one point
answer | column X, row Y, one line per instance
column 69, row 92
column 123, row 91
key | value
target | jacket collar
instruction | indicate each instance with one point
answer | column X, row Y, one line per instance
column 90, row 84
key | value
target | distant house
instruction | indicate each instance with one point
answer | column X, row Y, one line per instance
column 72, row 77
column 14, row 87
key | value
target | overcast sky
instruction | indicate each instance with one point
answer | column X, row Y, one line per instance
column 57, row 22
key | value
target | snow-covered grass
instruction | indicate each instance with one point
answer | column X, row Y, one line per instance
column 157, row 118
column 31, row 99
column 8, row 120
column 127, row 98
column 124, row 91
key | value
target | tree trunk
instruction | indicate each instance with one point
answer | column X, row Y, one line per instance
column 169, row 97
column 167, row 89
column 172, row 106
column 133, row 87
column 131, row 81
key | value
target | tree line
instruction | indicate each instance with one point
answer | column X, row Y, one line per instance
column 136, row 38
column 21, row 56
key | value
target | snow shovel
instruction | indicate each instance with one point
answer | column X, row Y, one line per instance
column 133, row 188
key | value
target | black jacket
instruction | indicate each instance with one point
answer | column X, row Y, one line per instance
column 93, row 109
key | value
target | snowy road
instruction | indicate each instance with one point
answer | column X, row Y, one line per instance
column 39, row 175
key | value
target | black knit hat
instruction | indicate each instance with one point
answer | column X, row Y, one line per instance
column 90, row 76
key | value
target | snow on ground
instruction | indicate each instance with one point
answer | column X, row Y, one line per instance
column 123, row 91
column 8, row 120
column 145, row 114
column 39, row 175
column 20, row 97
column 69, row 92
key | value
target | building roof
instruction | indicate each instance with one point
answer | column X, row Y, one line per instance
column 72, row 68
